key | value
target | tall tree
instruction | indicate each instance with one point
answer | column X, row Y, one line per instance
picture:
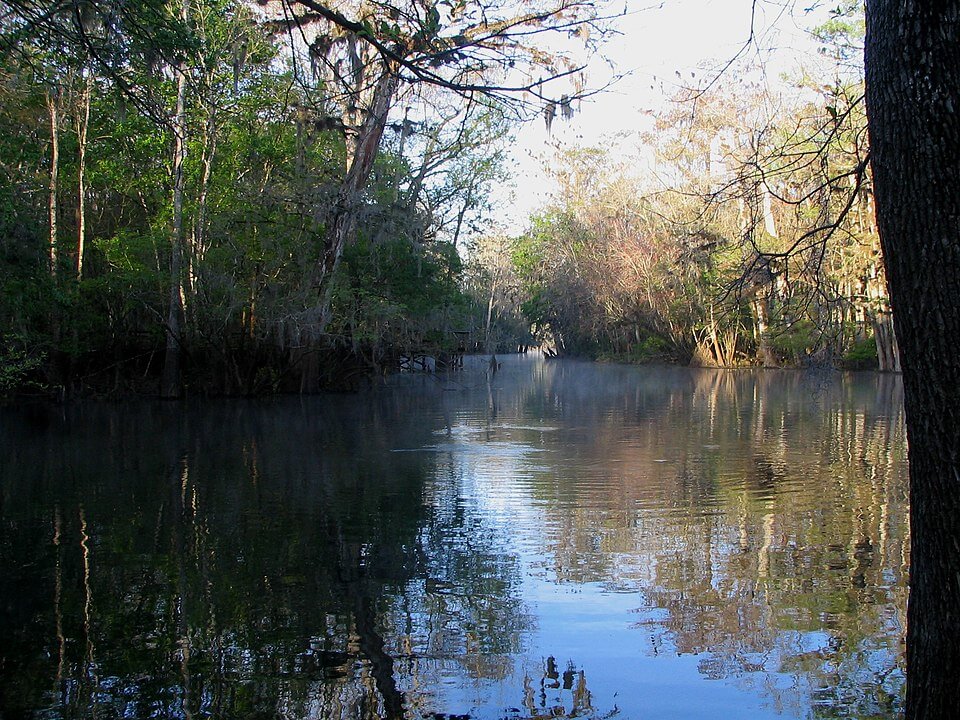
column 53, row 108
column 364, row 54
column 913, row 74
column 82, row 127
column 170, row 380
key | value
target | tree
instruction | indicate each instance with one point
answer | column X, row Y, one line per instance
column 364, row 55
column 170, row 379
column 912, row 76
column 496, row 288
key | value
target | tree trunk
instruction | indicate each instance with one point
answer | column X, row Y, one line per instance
column 54, row 111
column 467, row 203
column 769, row 221
column 362, row 147
column 885, row 338
column 913, row 76
column 489, row 319
column 359, row 166
column 170, row 378
column 198, row 241
column 761, row 314
column 83, row 124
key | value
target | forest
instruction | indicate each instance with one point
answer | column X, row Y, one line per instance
column 218, row 197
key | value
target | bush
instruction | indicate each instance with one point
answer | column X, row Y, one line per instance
column 16, row 367
column 796, row 342
column 862, row 356
column 651, row 349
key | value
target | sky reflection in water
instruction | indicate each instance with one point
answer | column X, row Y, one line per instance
column 564, row 539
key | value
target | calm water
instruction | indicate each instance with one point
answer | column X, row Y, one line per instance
column 568, row 540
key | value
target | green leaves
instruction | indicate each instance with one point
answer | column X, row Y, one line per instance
column 400, row 293
column 17, row 364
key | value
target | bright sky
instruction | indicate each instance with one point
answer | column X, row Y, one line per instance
column 664, row 46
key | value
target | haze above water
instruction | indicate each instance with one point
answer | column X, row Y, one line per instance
column 564, row 539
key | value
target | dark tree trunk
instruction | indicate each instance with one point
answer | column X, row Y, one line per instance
column 913, row 102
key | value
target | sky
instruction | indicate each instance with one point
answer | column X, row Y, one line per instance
column 663, row 46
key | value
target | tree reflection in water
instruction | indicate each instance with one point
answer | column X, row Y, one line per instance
column 461, row 547
column 766, row 514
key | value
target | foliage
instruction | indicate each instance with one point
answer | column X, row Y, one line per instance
column 861, row 356
column 262, row 181
column 752, row 242
column 400, row 298
column 17, row 365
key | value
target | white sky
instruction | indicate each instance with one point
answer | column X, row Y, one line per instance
column 661, row 44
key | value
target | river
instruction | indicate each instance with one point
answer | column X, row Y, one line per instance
column 562, row 539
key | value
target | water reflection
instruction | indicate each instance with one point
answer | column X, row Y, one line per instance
column 559, row 540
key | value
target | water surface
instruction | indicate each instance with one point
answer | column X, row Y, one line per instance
column 561, row 540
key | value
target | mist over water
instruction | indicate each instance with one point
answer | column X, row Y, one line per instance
column 558, row 539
